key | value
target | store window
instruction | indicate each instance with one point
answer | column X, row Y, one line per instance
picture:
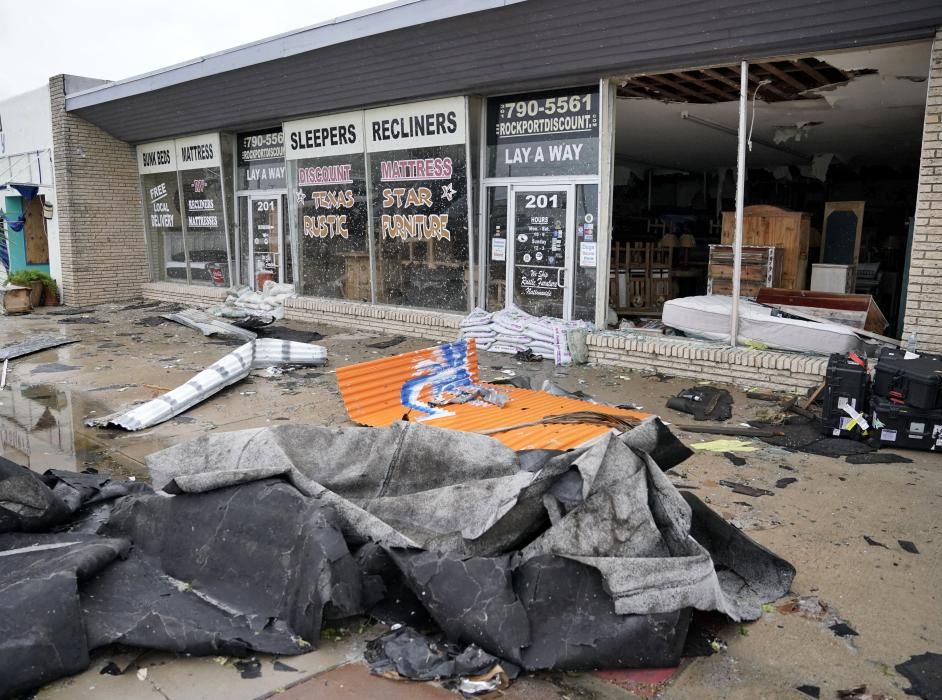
column 327, row 193
column 379, row 203
column 157, row 164
column 419, row 189
column 186, row 217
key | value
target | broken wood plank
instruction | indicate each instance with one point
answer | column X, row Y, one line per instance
column 808, row 402
column 765, row 396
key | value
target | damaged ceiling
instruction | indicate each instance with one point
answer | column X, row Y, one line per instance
column 873, row 114
column 786, row 80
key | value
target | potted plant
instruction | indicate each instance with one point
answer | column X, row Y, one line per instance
column 37, row 281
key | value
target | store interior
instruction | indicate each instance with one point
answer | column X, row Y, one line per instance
column 831, row 179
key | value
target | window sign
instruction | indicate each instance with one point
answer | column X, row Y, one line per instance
column 544, row 134
column 327, row 174
column 157, row 164
column 540, row 251
column 158, row 157
column 261, row 160
column 199, row 160
column 419, row 181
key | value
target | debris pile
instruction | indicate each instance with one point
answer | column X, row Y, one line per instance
column 290, row 526
column 244, row 305
column 512, row 330
column 234, row 367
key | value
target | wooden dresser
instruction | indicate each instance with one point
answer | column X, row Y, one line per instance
column 765, row 225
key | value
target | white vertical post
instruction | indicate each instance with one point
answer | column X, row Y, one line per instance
column 740, row 194
column 607, row 107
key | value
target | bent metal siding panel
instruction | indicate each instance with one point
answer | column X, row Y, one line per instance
column 380, row 392
column 525, row 45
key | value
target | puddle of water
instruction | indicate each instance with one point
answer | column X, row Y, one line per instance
column 42, row 427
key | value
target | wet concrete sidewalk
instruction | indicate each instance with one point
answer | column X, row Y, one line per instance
column 887, row 597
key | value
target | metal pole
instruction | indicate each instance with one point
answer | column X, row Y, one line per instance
column 740, row 187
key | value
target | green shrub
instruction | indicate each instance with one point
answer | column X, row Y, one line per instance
column 22, row 278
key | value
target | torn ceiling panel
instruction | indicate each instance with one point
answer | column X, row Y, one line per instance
column 874, row 119
column 784, row 80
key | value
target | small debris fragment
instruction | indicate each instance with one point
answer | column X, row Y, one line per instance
column 725, row 446
column 812, row 691
column 873, row 543
column 745, row 489
column 782, row 483
column 110, row 669
column 142, row 674
column 249, row 668
column 704, row 403
column 860, row 693
column 388, row 343
column 878, row 458
column 527, row 356
column 279, row 666
column 842, row 629
column 737, row 461
column 908, row 546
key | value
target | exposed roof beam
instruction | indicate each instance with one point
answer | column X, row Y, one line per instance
column 627, row 91
column 724, row 95
column 658, row 89
column 755, row 80
column 783, row 76
column 699, row 96
column 808, row 70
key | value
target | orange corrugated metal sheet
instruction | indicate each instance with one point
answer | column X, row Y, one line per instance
column 401, row 387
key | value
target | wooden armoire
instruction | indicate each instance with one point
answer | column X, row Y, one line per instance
column 765, row 225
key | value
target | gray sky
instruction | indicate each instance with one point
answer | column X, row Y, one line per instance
column 114, row 39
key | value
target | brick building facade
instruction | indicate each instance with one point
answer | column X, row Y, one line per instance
column 104, row 247
column 101, row 231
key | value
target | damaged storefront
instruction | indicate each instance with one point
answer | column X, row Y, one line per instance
column 601, row 190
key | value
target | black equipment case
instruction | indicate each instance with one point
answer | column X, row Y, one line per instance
column 846, row 383
column 916, row 383
column 905, row 426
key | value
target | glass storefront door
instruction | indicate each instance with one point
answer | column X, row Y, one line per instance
column 266, row 240
column 540, row 245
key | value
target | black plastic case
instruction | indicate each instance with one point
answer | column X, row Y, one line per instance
column 917, row 383
column 894, row 425
column 847, row 383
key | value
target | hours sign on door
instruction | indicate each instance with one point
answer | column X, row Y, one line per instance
column 540, row 250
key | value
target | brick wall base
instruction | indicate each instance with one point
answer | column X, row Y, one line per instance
column 394, row 320
column 682, row 357
column 673, row 357
column 187, row 295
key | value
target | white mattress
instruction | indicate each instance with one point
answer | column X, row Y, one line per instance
column 708, row 317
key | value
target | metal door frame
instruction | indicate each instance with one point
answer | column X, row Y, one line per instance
column 278, row 196
column 569, row 270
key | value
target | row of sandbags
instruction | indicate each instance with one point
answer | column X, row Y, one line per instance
column 243, row 302
column 513, row 330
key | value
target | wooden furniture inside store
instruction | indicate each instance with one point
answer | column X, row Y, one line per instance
column 765, row 225
column 761, row 267
column 640, row 278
